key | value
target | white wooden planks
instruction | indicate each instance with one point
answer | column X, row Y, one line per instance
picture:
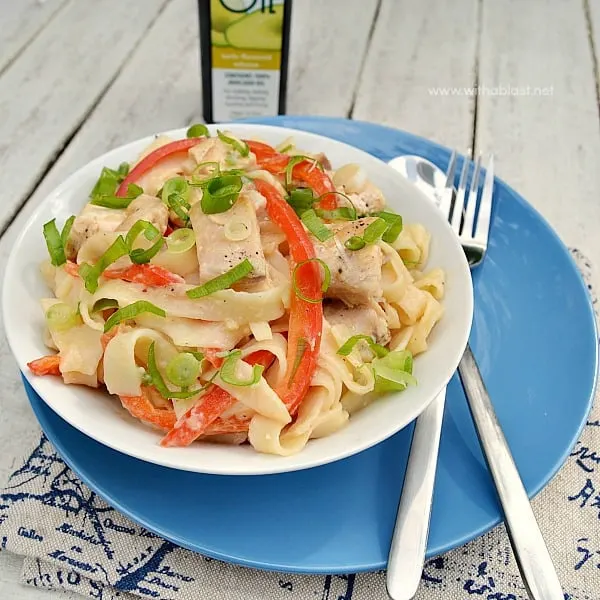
column 547, row 143
column 20, row 22
column 157, row 89
column 421, row 57
column 47, row 93
column 328, row 42
column 592, row 10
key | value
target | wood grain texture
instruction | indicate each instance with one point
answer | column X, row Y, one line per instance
column 157, row 89
column 166, row 95
column 418, row 48
column 592, row 8
column 547, row 146
column 325, row 59
column 21, row 21
column 59, row 78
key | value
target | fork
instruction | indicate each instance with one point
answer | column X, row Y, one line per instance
column 407, row 553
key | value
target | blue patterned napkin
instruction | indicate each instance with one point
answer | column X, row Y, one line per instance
column 71, row 540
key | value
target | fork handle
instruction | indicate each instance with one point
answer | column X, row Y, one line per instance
column 531, row 553
column 409, row 542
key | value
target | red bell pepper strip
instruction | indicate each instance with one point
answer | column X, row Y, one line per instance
column 146, row 274
column 198, row 419
column 141, row 407
column 210, row 354
column 306, row 318
column 47, row 365
column 71, row 268
column 153, row 158
column 269, row 159
column 262, row 151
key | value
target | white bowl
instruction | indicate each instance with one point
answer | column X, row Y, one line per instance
column 101, row 417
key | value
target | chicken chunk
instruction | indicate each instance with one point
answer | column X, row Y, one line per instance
column 369, row 200
column 146, row 208
column 225, row 239
column 93, row 219
column 364, row 319
column 355, row 274
column 215, row 150
column 210, row 150
column 351, row 179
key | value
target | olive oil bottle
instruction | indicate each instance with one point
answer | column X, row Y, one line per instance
column 244, row 55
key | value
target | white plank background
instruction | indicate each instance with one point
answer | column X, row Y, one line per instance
column 136, row 71
column 418, row 46
column 592, row 9
column 48, row 92
column 21, row 21
column 327, row 46
column 548, row 147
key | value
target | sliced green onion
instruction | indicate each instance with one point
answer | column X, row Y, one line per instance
column 134, row 190
column 178, row 205
column 54, row 243
column 112, row 201
column 374, row 231
column 66, row 230
column 220, row 194
column 107, row 183
column 199, row 356
column 401, row 360
column 159, row 383
column 301, row 200
column 238, row 145
column 345, row 213
column 181, row 240
column 394, row 226
column 90, row 274
column 393, row 372
column 61, row 316
column 222, row 282
column 150, row 232
column 123, row 171
column 183, row 370
column 355, row 243
column 295, row 160
column 346, row 348
column 337, row 214
column 316, row 226
column 131, row 311
column 175, row 185
column 104, row 304
column 324, row 285
column 85, row 270
column 371, row 234
column 198, row 130
column 216, row 169
column 139, row 256
column 228, row 375
column 285, row 149
column 300, row 351
column 389, row 380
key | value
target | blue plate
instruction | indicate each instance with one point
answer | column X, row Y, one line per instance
column 535, row 339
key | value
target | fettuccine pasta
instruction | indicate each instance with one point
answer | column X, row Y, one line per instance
column 225, row 291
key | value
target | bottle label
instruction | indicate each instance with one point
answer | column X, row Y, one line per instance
column 246, row 40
